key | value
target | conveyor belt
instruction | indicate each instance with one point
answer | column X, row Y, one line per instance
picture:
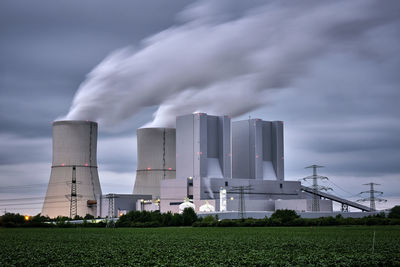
column 335, row 198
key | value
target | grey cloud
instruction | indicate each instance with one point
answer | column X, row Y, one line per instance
column 247, row 56
column 13, row 150
column 47, row 48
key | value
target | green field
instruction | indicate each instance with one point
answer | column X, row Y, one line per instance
column 335, row 246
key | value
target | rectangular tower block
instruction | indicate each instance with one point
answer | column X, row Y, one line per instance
column 203, row 147
column 257, row 148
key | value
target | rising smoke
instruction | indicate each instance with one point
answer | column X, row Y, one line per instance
column 225, row 58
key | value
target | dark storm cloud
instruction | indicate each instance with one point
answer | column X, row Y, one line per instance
column 48, row 47
column 237, row 60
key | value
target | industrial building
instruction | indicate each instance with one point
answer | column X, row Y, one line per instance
column 213, row 163
column 257, row 150
column 247, row 165
column 115, row 205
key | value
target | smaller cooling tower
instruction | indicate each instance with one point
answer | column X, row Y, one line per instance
column 156, row 159
column 74, row 182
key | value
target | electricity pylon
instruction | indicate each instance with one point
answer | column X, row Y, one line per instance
column 111, row 209
column 315, row 177
column 372, row 198
column 241, row 190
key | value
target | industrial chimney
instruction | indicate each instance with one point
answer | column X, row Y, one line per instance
column 156, row 159
column 74, row 185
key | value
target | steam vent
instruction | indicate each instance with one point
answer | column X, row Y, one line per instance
column 156, row 159
column 74, row 181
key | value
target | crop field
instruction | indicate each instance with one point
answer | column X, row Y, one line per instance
column 186, row 246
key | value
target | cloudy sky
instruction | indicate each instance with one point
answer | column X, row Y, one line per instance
column 329, row 70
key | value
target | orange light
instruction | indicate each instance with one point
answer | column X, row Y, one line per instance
column 26, row 218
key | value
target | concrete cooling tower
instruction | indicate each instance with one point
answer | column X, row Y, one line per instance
column 156, row 159
column 74, row 183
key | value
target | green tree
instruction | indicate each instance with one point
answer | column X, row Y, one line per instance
column 12, row 220
column 189, row 216
column 88, row 216
column 394, row 213
column 285, row 216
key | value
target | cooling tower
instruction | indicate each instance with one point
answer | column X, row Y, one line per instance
column 74, row 182
column 156, row 159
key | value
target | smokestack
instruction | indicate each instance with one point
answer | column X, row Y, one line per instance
column 74, row 183
column 156, row 159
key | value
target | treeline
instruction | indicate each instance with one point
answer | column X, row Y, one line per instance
column 17, row 220
column 157, row 219
column 190, row 218
column 278, row 218
column 290, row 218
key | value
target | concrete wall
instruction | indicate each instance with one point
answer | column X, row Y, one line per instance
column 74, row 146
column 257, row 145
column 303, row 205
column 250, row 204
column 260, row 198
column 156, row 159
column 263, row 214
column 261, row 189
column 122, row 203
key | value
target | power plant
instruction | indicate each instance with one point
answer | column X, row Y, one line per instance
column 207, row 162
column 74, row 185
column 210, row 159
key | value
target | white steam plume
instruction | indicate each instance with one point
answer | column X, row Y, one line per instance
column 223, row 64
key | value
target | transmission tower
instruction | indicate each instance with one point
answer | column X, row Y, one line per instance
column 111, row 209
column 73, row 208
column 241, row 190
column 315, row 177
column 372, row 198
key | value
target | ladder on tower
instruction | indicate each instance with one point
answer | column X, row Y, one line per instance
column 73, row 208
